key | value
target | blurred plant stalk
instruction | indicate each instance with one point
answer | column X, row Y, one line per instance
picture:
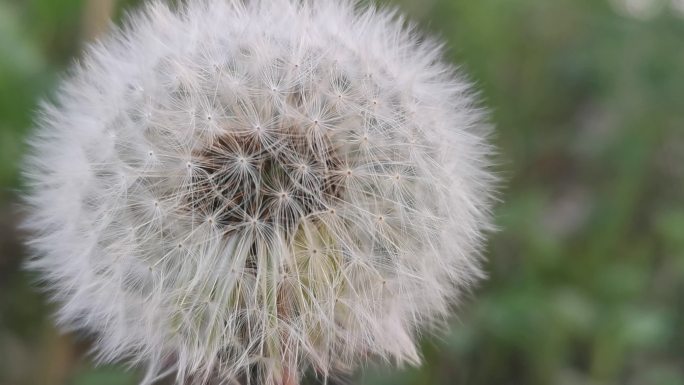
column 96, row 17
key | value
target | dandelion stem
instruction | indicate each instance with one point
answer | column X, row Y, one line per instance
column 96, row 17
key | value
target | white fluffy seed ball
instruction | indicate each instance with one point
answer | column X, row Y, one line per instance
column 243, row 190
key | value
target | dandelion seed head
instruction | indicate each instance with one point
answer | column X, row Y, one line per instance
column 237, row 190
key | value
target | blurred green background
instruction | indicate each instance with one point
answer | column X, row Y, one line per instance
column 587, row 273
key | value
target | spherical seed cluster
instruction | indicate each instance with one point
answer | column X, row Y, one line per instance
column 233, row 190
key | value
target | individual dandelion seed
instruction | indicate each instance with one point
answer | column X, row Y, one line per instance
column 238, row 191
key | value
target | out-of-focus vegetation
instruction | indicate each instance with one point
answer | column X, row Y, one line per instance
column 587, row 273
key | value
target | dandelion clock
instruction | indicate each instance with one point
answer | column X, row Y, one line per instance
column 240, row 191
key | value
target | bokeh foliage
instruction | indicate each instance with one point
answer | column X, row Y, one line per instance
column 586, row 275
